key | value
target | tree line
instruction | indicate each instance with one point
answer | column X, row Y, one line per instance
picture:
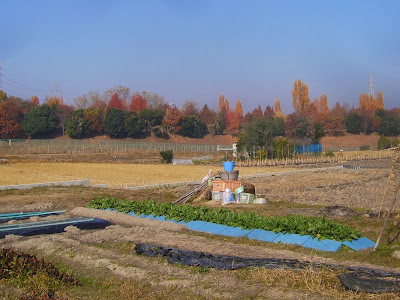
column 118, row 113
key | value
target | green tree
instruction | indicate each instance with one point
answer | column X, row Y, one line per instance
column 114, row 123
column 152, row 117
column 257, row 134
column 353, row 123
column 193, row 127
column 77, row 126
column 134, row 126
column 282, row 148
column 388, row 126
column 279, row 127
column 318, row 133
column 39, row 121
column 303, row 128
column 220, row 123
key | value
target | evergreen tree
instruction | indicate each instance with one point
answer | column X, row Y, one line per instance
column 77, row 126
column 114, row 123
column 39, row 121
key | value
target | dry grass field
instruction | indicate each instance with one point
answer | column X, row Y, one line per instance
column 115, row 175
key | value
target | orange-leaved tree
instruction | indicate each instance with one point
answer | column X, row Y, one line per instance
column 35, row 100
column 301, row 101
column 171, row 119
column 277, row 108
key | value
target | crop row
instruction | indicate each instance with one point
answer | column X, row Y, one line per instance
column 313, row 226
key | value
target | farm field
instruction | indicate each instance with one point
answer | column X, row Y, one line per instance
column 105, row 263
column 115, row 175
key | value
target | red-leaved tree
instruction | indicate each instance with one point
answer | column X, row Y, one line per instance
column 138, row 103
column 116, row 102
column 10, row 119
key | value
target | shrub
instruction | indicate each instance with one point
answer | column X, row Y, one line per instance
column 329, row 154
column 159, row 131
column 384, row 143
column 167, row 156
column 365, row 147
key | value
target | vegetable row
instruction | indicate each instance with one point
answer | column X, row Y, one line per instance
column 313, row 226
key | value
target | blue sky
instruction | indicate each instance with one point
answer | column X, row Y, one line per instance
column 195, row 50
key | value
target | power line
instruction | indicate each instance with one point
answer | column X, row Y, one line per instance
column 13, row 85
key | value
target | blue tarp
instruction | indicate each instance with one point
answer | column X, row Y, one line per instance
column 313, row 148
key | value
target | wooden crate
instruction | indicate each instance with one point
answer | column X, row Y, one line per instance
column 221, row 185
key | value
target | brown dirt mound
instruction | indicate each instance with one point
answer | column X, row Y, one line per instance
column 350, row 141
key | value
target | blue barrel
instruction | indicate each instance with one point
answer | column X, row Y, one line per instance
column 228, row 166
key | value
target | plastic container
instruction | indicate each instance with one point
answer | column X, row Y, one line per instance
column 228, row 166
column 228, row 197
column 230, row 175
column 246, row 198
column 216, row 195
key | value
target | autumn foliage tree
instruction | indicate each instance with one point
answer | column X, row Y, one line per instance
column 232, row 122
column 239, row 111
column 116, row 102
column 94, row 116
column 35, row 100
column 301, row 101
column 10, row 119
column 172, row 118
column 335, row 123
column 269, row 111
column 277, row 108
column 138, row 103
column 190, row 108
column 207, row 115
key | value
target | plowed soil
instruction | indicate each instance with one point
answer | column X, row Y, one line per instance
column 109, row 253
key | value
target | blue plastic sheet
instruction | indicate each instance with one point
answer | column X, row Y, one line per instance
column 292, row 239
column 324, row 245
column 360, row 244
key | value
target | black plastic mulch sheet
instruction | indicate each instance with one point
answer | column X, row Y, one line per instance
column 357, row 279
column 370, row 284
column 219, row 262
column 56, row 228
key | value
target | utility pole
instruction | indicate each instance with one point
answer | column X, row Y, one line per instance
column 371, row 85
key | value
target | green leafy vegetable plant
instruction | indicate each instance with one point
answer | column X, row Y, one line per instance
column 313, row 226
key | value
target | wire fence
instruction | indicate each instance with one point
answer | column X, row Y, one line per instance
column 68, row 146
